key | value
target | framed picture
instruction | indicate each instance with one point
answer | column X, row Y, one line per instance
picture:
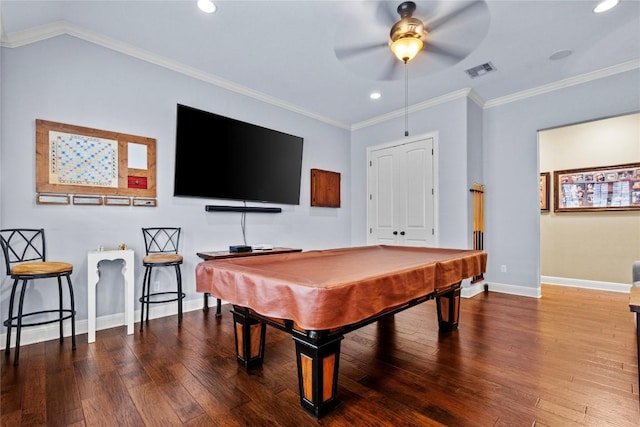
column 605, row 188
column 545, row 182
column 84, row 161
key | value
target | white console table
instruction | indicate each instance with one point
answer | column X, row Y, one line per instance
column 93, row 260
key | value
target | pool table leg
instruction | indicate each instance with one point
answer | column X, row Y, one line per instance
column 318, row 361
column 448, row 309
column 205, row 306
column 250, row 336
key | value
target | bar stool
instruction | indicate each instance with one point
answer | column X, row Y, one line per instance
column 161, row 245
column 25, row 260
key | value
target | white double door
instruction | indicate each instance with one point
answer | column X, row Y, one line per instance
column 401, row 199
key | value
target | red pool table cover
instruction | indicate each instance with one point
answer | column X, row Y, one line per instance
column 326, row 289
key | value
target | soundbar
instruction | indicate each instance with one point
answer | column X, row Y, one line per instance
column 217, row 208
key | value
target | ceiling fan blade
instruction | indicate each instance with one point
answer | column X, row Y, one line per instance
column 467, row 8
column 386, row 13
column 451, row 54
column 388, row 73
column 352, row 51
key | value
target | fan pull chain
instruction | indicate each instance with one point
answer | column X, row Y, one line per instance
column 406, row 99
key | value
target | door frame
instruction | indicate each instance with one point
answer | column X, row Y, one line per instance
column 434, row 171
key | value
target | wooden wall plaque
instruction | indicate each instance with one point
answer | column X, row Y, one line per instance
column 325, row 188
column 78, row 160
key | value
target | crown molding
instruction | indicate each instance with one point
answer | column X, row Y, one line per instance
column 518, row 96
column 32, row 35
column 451, row 96
column 477, row 99
column 565, row 83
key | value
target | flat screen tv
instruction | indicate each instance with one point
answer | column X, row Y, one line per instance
column 222, row 158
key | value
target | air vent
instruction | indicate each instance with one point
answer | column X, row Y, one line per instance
column 480, row 70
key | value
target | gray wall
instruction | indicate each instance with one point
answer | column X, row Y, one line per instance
column 68, row 80
column 449, row 120
column 474, row 157
column 511, row 169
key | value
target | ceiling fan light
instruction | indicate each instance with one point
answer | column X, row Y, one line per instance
column 406, row 48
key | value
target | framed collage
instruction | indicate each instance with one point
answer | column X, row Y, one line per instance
column 608, row 188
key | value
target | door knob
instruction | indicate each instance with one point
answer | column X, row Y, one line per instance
column 395, row 233
column 402, row 233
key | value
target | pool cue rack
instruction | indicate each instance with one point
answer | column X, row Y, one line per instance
column 477, row 194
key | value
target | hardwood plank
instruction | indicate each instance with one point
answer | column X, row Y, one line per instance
column 153, row 406
column 34, row 395
column 182, row 403
column 206, row 398
column 567, row 359
column 110, row 403
column 201, row 421
column 63, row 404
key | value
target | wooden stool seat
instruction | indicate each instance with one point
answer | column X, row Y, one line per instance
column 162, row 259
column 41, row 268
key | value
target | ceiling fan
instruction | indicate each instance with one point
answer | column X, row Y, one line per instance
column 433, row 35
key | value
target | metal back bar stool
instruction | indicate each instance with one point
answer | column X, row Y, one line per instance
column 25, row 260
column 161, row 245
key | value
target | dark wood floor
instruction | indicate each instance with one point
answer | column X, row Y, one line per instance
column 566, row 359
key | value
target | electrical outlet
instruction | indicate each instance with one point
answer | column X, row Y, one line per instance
column 503, row 268
column 156, row 285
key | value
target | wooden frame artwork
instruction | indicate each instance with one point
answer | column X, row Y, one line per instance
column 545, row 186
column 325, row 188
column 77, row 160
column 607, row 188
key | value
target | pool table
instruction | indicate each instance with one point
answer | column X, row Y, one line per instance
column 319, row 296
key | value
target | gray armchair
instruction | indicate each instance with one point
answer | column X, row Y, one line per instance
column 635, row 274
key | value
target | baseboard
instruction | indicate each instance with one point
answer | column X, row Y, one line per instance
column 515, row 290
column 471, row 291
column 48, row 332
column 588, row 284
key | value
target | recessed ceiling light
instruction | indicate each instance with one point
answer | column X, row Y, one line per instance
column 206, row 6
column 605, row 5
column 559, row 54
column 375, row 95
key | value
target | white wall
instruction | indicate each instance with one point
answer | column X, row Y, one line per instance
column 512, row 216
column 68, row 80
